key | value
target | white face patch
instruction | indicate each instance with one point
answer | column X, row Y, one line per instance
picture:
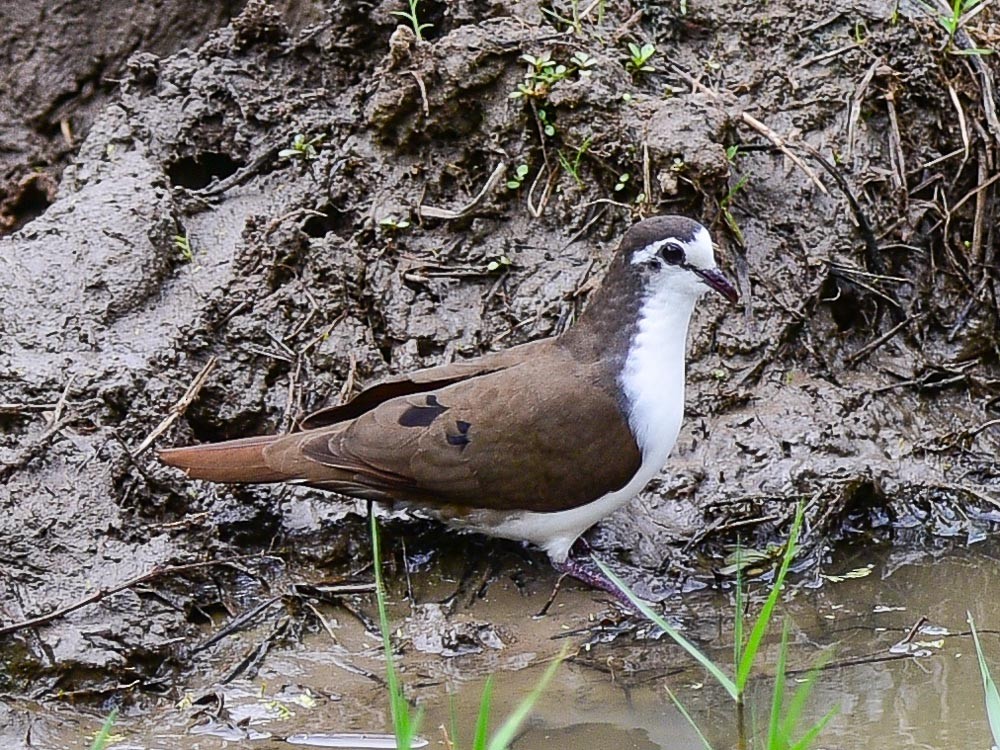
column 698, row 252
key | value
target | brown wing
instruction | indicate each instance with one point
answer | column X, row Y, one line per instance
column 428, row 379
column 538, row 436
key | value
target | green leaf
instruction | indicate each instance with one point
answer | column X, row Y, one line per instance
column 774, row 726
column 481, row 738
column 680, row 707
column 989, row 687
column 767, row 611
column 405, row 722
column 102, row 737
column 508, row 731
column 740, row 620
column 797, row 705
column 808, row 739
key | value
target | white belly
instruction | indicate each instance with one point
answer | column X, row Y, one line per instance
column 556, row 532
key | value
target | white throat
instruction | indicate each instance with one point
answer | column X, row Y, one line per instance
column 653, row 376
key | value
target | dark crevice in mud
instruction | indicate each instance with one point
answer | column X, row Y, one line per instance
column 65, row 64
column 30, row 199
column 328, row 219
column 851, row 305
column 250, row 526
column 207, row 427
column 199, row 170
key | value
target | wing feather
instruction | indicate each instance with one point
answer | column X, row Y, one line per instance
column 522, row 436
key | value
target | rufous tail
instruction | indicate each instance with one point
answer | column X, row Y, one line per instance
column 231, row 461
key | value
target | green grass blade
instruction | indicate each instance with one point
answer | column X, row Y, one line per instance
column 767, row 611
column 776, row 739
column 102, row 737
column 680, row 707
column 810, row 736
column 481, row 739
column 797, row 705
column 721, row 677
column 989, row 687
column 506, row 733
column 404, row 722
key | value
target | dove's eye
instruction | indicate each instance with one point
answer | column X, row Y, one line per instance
column 672, row 252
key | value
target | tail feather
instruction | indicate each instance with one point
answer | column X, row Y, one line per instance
column 230, row 461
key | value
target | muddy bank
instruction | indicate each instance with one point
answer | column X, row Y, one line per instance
column 191, row 237
column 60, row 69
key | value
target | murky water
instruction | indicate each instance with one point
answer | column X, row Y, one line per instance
column 615, row 696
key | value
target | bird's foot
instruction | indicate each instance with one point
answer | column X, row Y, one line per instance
column 585, row 570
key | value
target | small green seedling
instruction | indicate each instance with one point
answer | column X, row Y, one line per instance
column 860, row 32
column 962, row 11
column 520, row 173
column 732, row 152
column 500, row 263
column 573, row 165
column 543, row 73
column 583, row 63
column 639, row 57
column 411, row 16
column 622, row 181
column 393, row 224
column 183, row 244
column 301, row 149
column 547, row 127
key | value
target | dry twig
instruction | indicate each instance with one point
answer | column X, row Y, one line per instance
column 179, row 408
column 430, row 212
column 779, row 142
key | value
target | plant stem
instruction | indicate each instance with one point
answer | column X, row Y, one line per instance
column 741, row 724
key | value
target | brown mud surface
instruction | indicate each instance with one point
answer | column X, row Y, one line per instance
column 860, row 373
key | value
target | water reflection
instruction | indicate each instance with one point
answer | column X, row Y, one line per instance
column 614, row 695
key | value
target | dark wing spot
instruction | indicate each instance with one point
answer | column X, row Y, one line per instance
column 421, row 416
column 462, row 438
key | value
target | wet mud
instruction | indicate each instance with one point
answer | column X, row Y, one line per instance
column 191, row 274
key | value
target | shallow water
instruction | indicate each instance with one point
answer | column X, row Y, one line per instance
column 615, row 695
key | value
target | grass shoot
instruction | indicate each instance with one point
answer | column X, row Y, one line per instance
column 989, row 687
column 785, row 713
column 412, row 16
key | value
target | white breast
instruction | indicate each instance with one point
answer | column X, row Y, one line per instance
column 653, row 376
